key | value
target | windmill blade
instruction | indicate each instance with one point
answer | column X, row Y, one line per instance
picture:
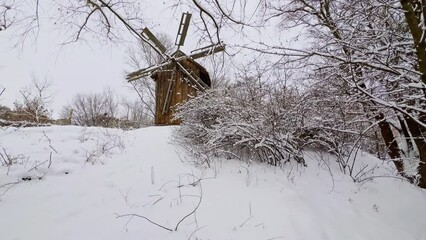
column 150, row 37
column 183, row 29
column 146, row 71
column 206, row 51
column 139, row 74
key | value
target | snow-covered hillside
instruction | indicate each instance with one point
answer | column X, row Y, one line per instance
column 74, row 183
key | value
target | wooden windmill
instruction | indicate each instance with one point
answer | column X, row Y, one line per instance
column 178, row 77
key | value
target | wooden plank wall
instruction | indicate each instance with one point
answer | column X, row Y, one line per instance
column 182, row 91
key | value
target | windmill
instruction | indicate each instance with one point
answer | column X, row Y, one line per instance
column 178, row 77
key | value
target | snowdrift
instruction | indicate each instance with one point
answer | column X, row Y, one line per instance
column 67, row 182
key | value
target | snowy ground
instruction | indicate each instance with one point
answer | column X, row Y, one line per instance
column 82, row 178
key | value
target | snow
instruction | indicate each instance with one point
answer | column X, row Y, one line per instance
column 97, row 173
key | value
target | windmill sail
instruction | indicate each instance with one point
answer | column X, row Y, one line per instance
column 183, row 29
column 143, row 72
column 150, row 36
column 206, row 51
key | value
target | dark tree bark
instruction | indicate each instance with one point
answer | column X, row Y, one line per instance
column 390, row 142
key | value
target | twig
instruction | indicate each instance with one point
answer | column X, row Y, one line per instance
column 242, row 224
column 37, row 166
column 359, row 172
column 196, row 230
column 157, row 201
column 373, row 177
column 125, row 196
column 152, row 175
column 198, row 181
column 50, row 160
column 50, row 142
column 193, row 184
column 153, row 202
column 127, row 223
column 149, row 220
column 167, row 183
column 250, row 216
column 8, row 159
column 4, row 185
column 4, row 159
column 195, row 209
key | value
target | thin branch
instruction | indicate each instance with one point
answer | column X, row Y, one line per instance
column 195, row 209
column 202, row 9
column 143, row 217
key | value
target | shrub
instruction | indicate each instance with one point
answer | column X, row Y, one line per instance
column 242, row 121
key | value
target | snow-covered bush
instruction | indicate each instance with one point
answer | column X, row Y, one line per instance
column 336, row 123
column 272, row 123
column 244, row 120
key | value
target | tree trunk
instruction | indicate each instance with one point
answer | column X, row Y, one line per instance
column 422, row 168
column 417, row 132
column 390, row 142
column 415, row 11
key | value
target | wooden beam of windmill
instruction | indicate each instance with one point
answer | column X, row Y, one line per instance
column 196, row 81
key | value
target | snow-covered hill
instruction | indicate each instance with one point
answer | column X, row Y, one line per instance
column 74, row 183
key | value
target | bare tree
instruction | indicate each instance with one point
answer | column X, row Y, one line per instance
column 371, row 64
column 94, row 109
column 135, row 113
column 77, row 20
column 99, row 18
column 35, row 100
